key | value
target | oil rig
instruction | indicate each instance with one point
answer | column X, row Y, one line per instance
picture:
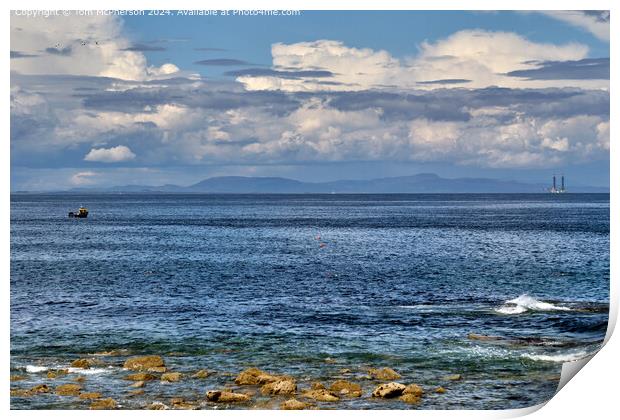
column 554, row 189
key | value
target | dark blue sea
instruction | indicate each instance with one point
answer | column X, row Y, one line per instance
column 319, row 287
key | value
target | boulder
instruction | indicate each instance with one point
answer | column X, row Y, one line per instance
column 201, row 374
column 53, row 374
column 346, row 388
column 16, row 392
column 180, row 403
column 83, row 363
column 409, row 399
column 157, row 406
column 135, row 392
column 103, row 404
column 158, row 369
column 384, row 374
column 171, row 377
column 226, row 397
column 40, row 389
column 413, row 389
column 144, row 362
column 281, row 387
column 455, row 377
column 390, row 390
column 440, row 390
column 15, row 378
column 294, row 404
column 138, row 384
column 320, row 395
column 79, row 379
column 68, row 389
column 317, row 385
column 140, row 377
column 90, row 395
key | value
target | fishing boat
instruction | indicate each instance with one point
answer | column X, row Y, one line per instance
column 82, row 213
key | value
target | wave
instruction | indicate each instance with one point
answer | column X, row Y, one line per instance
column 526, row 303
column 36, row 369
column 557, row 358
column 91, row 371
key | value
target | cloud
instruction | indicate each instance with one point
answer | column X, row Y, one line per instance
column 143, row 47
column 84, row 178
column 111, row 155
column 593, row 21
column 87, row 46
column 297, row 74
column 19, row 54
column 469, row 58
column 222, row 62
column 589, row 68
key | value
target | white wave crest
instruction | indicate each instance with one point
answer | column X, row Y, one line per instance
column 36, row 369
column 526, row 303
column 91, row 371
column 557, row 358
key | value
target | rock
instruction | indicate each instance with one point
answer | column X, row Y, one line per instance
column 16, row 392
column 138, row 384
column 455, row 377
column 79, row 378
column 143, row 362
column 317, row 385
column 413, row 389
column 345, row 370
column 294, row 404
column 346, row 388
column 157, row 406
column 409, row 399
column 103, row 404
column 158, row 369
column 180, row 403
column 282, row 387
column 140, row 377
column 171, row 377
column 390, row 390
column 320, row 395
column 53, row 374
column 254, row 376
column 201, row 374
column 384, row 374
column 226, row 397
column 15, row 378
column 135, row 392
column 440, row 390
column 40, row 389
column 68, row 389
column 90, row 395
column 330, row 361
column 480, row 337
column 83, row 363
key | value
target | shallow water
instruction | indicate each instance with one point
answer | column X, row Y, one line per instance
column 320, row 287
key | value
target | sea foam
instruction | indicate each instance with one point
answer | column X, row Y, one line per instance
column 558, row 358
column 526, row 303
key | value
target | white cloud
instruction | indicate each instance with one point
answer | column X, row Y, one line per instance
column 597, row 23
column 111, row 155
column 84, row 178
column 92, row 46
column 472, row 58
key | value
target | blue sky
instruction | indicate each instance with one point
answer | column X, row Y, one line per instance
column 106, row 100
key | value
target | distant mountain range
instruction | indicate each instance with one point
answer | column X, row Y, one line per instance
column 420, row 183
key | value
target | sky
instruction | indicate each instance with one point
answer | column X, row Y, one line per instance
column 108, row 100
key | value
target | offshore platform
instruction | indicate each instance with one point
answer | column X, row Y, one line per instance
column 554, row 189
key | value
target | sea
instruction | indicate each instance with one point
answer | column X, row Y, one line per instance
column 499, row 289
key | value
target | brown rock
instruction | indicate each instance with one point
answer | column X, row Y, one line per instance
column 103, row 404
column 180, row 403
column 79, row 379
column 143, row 362
column 90, row 395
column 455, row 377
column 140, row 377
column 138, row 384
column 158, row 369
column 53, row 374
column 157, row 406
column 282, row 387
column 294, row 404
column 68, row 389
column 135, row 392
column 321, row 395
column 390, row 390
column 317, row 385
column 227, row 397
column 15, row 378
column 201, row 374
column 346, row 388
column 16, row 392
column 171, row 377
column 40, row 389
column 344, row 370
column 413, row 389
column 384, row 374
column 84, row 363
column 254, row 376
column 440, row 390
column 409, row 399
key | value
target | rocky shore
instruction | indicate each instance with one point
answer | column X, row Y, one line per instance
column 251, row 388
